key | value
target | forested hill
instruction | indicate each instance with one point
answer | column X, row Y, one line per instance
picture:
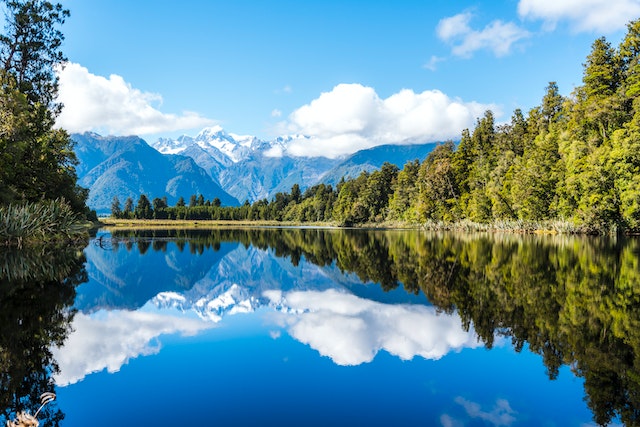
column 572, row 161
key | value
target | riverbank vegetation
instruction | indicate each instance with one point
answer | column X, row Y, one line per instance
column 37, row 162
column 41, row 222
column 571, row 164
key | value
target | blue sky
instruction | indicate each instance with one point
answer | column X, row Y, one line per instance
column 349, row 74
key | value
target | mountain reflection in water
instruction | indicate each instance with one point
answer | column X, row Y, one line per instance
column 351, row 295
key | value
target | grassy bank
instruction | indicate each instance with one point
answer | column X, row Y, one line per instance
column 522, row 227
column 178, row 223
column 41, row 222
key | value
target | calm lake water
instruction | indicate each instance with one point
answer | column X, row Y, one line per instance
column 315, row 327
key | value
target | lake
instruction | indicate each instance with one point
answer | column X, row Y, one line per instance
column 316, row 327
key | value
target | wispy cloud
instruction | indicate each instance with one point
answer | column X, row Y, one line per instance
column 497, row 37
column 276, row 113
column 433, row 63
column 111, row 105
column 601, row 16
column 500, row 415
column 353, row 117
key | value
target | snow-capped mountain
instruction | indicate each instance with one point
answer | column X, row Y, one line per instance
column 225, row 147
column 215, row 163
column 247, row 167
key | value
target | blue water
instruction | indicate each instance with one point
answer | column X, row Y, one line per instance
column 238, row 336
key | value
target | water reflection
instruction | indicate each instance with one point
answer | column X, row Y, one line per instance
column 37, row 290
column 109, row 339
column 575, row 301
column 351, row 330
column 348, row 295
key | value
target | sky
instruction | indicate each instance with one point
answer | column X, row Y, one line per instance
column 346, row 74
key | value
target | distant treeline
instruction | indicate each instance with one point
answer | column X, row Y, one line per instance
column 574, row 160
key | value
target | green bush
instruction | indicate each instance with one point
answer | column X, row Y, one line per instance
column 42, row 221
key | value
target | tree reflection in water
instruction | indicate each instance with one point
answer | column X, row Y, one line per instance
column 37, row 289
column 573, row 300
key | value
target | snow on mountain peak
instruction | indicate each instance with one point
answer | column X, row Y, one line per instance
column 219, row 143
column 211, row 132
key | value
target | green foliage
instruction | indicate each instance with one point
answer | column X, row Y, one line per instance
column 37, row 291
column 37, row 162
column 39, row 222
column 572, row 300
column 571, row 163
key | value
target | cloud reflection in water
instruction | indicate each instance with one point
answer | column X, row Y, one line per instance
column 351, row 330
column 109, row 339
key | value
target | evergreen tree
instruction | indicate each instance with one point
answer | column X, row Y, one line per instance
column 116, row 211
column 143, row 208
column 127, row 211
column 38, row 161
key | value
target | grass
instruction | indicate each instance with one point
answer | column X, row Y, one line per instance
column 507, row 226
column 179, row 223
column 40, row 222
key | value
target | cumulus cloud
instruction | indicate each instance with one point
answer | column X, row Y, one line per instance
column 497, row 37
column 111, row 105
column 352, row 330
column 353, row 117
column 108, row 340
column 584, row 15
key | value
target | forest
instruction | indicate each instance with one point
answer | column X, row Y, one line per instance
column 570, row 163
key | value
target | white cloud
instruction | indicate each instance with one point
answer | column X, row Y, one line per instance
column 351, row 330
column 497, row 37
column 584, row 15
column 500, row 415
column 433, row 62
column 108, row 340
column 276, row 113
column 111, row 105
column 353, row 117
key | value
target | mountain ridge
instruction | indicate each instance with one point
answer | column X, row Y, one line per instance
column 215, row 163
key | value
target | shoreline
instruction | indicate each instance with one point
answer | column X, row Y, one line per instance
column 547, row 227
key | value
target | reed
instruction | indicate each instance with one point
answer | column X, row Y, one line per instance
column 42, row 221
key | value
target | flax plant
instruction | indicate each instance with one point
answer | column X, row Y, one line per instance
column 42, row 221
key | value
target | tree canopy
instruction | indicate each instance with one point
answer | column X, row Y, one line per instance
column 36, row 160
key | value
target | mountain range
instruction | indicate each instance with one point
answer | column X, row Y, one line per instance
column 214, row 163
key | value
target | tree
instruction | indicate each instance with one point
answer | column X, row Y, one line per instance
column 551, row 104
column 629, row 53
column 37, row 161
column 30, row 48
column 601, row 71
column 296, row 195
column 127, row 211
column 143, row 208
column 180, row 202
column 116, row 211
column 159, row 207
column 405, row 192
